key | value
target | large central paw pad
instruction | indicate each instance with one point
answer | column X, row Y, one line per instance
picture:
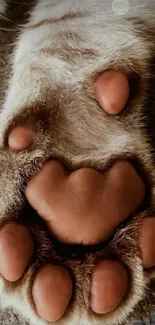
column 76, row 206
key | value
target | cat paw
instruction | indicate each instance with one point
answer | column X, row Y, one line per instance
column 67, row 121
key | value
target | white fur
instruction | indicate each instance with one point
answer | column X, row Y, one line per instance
column 3, row 6
column 25, row 86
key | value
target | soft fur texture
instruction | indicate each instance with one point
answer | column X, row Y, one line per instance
column 57, row 48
